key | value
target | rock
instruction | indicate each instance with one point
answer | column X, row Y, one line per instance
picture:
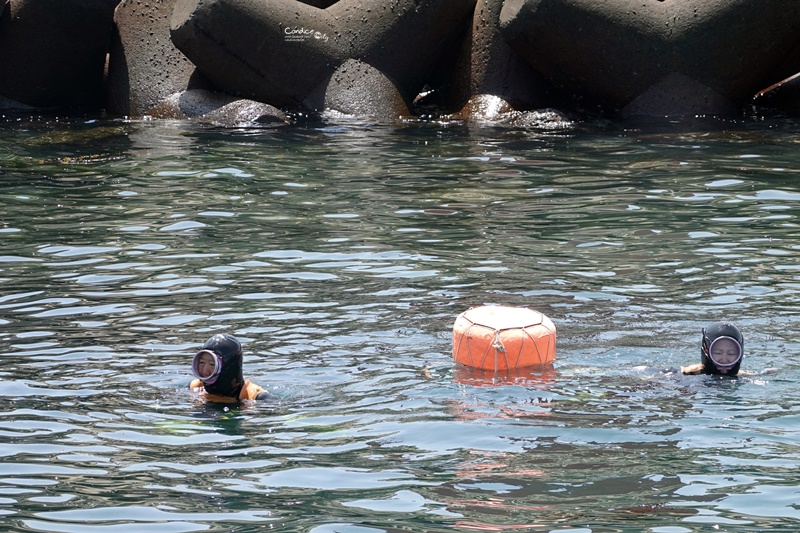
column 218, row 109
column 540, row 119
column 7, row 104
column 53, row 52
column 484, row 107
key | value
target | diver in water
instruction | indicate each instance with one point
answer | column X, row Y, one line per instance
column 721, row 351
column 218, row 369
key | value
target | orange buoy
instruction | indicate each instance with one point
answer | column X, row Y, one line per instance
column 502, row 338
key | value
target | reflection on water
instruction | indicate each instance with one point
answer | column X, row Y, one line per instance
column 340, row 254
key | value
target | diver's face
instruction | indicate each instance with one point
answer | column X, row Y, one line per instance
column 205, row 365
column 724, row 353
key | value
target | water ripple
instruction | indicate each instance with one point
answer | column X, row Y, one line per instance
column 340, row 256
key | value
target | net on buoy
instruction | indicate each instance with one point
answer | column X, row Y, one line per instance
column 502, row 338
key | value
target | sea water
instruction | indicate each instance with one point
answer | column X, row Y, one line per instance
column 340, row 253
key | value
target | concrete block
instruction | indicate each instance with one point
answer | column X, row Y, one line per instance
column 654, row 58
column 283, row 52
column 53, row 52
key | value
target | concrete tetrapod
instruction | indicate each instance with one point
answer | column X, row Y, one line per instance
column 144, row 66
column 293, row 55
column 669, row 57
column 52, row 52
column 495, row 80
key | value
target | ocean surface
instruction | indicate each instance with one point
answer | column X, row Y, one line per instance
column 340, row 253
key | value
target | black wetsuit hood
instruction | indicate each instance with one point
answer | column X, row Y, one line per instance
column 231, row 378
column 710, row 334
